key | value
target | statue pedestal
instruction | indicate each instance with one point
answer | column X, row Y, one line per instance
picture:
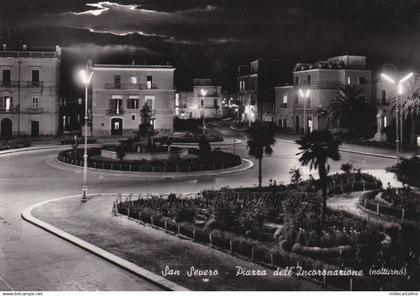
column 380, row 136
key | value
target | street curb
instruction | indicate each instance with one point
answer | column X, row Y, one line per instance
column 351, row 151
column 155, row 279
column 245, row 165
column 34, row 148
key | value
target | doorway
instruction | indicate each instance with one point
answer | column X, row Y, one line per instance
column 116, row 126
column 6, row 128
column 34, row 128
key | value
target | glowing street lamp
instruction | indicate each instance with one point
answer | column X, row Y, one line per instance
column 304, row 94
column 86, row 77
column 398, row 116
column 203, row 94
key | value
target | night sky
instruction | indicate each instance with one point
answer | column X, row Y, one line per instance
column 210, row 38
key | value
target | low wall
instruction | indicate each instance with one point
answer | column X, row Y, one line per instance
column 173, row 154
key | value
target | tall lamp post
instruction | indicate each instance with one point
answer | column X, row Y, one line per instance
column 86, row 77
column 203, row 94
column 304, row 94
column 398, row 116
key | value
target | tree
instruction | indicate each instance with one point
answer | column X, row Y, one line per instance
column 295, row 175
column 347, row 168
column 350, row 107
column 407, row 170
column 260, row 140
column 204, row 148
column 316, row 148
column 410, row 110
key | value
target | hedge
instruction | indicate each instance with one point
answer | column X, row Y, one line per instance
column 222, row 160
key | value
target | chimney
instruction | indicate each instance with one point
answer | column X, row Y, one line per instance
column 4, row 46
column 24, row 46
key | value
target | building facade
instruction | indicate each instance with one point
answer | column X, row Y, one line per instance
column 323, row 80
column 29, row 92
column 256, row 83
column 385, row 94
column 205, row 100
column 119, row 92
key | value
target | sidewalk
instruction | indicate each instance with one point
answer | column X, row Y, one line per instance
column 155, row 250
column 350, row 148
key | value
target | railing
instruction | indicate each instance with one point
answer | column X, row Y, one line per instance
column 128, row 86
column 28, row 54
column 114, row 111
column 27, row 84
column 9, row 110
column 33, row 110
column 321, row 84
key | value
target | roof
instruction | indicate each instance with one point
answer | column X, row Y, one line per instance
column 131, row 67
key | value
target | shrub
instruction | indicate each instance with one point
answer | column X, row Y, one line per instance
column 185, row 215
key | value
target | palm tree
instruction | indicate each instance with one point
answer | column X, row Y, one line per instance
column 410, row 110
column 260, row 140
column 350, row 107
column 316, row 148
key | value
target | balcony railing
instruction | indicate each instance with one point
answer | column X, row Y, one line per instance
column 114, row 111
column 23, row 84
column 128, row 86
column 9, row 110
column 33, row 110
column 321, row 84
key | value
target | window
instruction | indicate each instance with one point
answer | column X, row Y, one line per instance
column 133, row 102
column 202, row 103
column 35, row 101
column 6, row 103
column 150, row 101
column 35, row 78
column 383, row 97
column 215, row 103
column 149, row 82
column 284, row 101
column 309, row 102
column 6, row 78
column 348, row 80
column 133, row 80
column 385, row 121
column 296, row 99
column 296, row 80
column 361, row 80
column 117, row 81
column 309, row 79
column 133, row 117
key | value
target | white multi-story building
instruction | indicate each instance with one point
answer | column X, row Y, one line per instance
column 204, row 100
column 29, row 92
column 323, row 79
column 120, row 91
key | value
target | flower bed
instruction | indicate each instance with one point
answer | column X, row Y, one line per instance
column 217, row 160
column 399, row 203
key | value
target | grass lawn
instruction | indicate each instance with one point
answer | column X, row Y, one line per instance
column 154, row 250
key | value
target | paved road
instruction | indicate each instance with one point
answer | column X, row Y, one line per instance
column 31, row 259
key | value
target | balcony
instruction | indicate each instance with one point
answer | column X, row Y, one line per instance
column 23, row 84
column 33, row 110
column 114, row 112
column 12, row 110
column 321, row 84
column 128, row 86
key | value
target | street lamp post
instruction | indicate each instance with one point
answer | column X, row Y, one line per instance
column 86, row 77
column 398, row 116
column 304, row 95
column 203, row 94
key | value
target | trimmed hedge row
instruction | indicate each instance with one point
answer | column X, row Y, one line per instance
column 366, row 201
column 222, row 160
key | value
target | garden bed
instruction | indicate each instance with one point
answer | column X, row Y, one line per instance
column 237, row 220
column 399, row 203
column 217, row 160
column 14, row 144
